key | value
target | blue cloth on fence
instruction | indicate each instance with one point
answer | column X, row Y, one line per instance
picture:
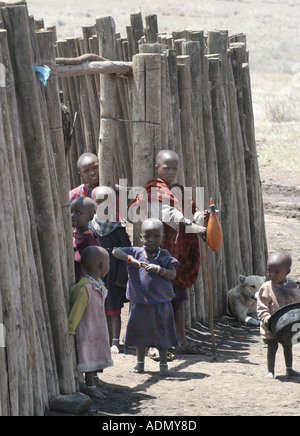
column 43, row 73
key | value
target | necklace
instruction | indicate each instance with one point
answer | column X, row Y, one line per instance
column 98, row 284
column 149, row 254
column 286, row 282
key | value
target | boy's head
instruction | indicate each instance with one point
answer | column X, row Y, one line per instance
column 167, row 162
column 105, row 194
column 152, row 234
column 95, row 260
column 82, row 211
column 279, row 266
column 88, row 169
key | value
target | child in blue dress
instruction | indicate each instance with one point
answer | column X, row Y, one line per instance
column 150, row 291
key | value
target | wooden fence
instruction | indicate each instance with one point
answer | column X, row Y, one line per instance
column 189, row 92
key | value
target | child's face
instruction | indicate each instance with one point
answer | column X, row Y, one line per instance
column 89, row 171
column 80, row 216
column 152, row 237
column 277, row 270
column 167, row 169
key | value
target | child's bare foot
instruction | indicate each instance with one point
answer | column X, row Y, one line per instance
column 115, row 346
column 292, row 373
column 270, row 375
column 139, row 368
column 164, row 370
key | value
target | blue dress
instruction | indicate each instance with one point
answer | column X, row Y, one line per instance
column 151, row 318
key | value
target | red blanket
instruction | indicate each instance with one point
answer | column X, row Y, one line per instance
column 181, row 245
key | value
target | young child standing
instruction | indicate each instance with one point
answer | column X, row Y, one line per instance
column 278, row 292
column 82, row 210
column 150, row 291
column 87, row 318
column 110, row 233
column 88, row 169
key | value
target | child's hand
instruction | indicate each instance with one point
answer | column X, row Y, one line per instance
column 203, row 233
column 135, row 263
column 151, row 267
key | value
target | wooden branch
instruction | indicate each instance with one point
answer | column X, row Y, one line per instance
column 105, row 67
column 88, row 57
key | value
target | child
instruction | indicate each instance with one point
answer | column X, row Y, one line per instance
column 111, row 234
column 87, row 319
column 82, row 210
column 150, row 291
column 273, row 295
column 88, row 169
column 182, row 245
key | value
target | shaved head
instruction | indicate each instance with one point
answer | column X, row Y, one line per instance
column 152, row 223
column 165, row 155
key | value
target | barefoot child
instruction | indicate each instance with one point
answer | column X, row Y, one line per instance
column 278, row 292
column 82, row 210
column 87, row 318
column 149, row 288
column 88, row 169
column 110, row 233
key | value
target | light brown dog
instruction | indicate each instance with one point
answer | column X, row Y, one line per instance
column 242, row 300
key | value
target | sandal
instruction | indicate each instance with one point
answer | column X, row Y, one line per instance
column 153, row 353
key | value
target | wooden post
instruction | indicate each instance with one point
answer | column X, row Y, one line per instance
column 36, row 146
column 106, row 32
column 229, row 213
column 186, row 120
column 146, row 117
column 256, row 210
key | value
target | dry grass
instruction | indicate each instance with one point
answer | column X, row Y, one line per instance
column 276, row 102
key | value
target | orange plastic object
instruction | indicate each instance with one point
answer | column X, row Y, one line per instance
column 214, row 231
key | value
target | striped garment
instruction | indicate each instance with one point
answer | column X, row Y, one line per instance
column 151, row 318
column 83, row 190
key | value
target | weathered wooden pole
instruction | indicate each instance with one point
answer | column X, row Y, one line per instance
column 36, row 153
column 106, row 32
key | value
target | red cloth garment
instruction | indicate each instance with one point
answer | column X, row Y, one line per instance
column 181, row 245
column 83, row 190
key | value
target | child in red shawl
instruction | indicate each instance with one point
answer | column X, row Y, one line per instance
column 182, row 245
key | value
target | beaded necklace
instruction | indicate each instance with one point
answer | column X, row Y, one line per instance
column 149, row 254
column 98, row 284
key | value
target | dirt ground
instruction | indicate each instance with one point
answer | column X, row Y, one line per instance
column 234, row 383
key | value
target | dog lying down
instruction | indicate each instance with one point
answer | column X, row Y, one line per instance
column 242, row 300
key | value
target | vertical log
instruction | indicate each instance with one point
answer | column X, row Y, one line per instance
column 240, row 174
column 136, row 22
column 36, row 146
column 146, row 114
column 106, row 33
column 229, row 211
column 175, row 139
column 256, row 210
column 186, row 120
column 151, row 28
